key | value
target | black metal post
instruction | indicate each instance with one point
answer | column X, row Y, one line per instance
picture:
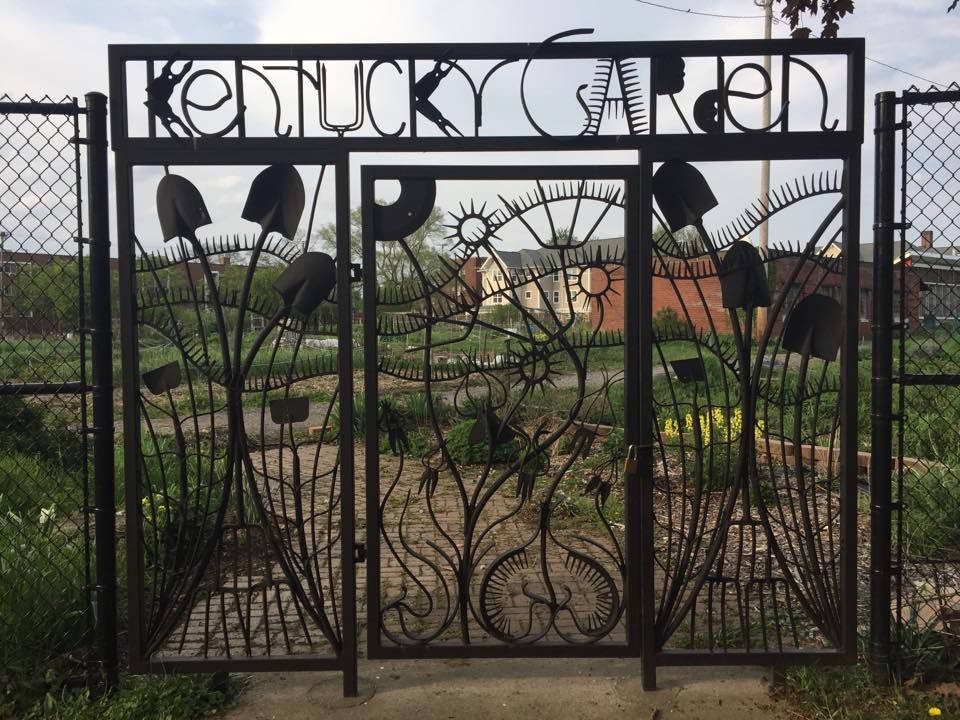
column 882, row 384
column 101, row 355
column 348, row 538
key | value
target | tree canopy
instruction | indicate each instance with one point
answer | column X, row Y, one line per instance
column 831, row 12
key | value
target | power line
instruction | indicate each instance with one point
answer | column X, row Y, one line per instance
column 688, row 11
column 779, row 21
column 905, row 72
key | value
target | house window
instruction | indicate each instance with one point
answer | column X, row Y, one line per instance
column 498, row 275
column 498, row 299
column 528, row 294
column 556, row 296
column 556, row 277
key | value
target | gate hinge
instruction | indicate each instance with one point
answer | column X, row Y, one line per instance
column 356, row 272
column 359, row 553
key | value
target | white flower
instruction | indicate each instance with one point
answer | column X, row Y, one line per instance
column 47, row 515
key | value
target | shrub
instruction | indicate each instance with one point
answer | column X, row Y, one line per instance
column 42, row 605
column 30, row 428
column 184, row 697
column 463, row 452
column 667, row 320
column 931, row 513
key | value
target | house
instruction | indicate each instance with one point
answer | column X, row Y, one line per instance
column 39, row 291
column 931, row 282
column 545, row 281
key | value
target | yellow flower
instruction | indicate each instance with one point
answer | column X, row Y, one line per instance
column 934, row 712
column 671, row 428
column 759, row 430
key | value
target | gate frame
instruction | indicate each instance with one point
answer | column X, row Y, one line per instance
column 783, row 144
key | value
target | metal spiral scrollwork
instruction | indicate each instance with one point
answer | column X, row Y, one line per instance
column 474, row 539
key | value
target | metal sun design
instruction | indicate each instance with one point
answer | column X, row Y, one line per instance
column 462, row 233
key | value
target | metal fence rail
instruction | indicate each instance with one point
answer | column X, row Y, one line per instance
column 55, row 390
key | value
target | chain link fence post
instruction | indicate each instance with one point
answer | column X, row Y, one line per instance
column 102, row 388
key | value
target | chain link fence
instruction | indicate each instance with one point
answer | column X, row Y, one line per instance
column 46, row 568
column 927, row 394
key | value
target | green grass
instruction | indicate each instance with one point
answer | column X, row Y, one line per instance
column 174, row 697
column 850, row 693
column 43, row 610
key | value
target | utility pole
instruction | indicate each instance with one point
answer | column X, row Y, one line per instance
column 763, row 230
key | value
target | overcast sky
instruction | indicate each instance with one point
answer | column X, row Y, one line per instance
column 59, row 48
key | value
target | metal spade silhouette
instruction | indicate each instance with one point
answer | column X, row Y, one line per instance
column 742, row 280
column 307, row 282
column 276, row 200
column 162, row 379
column 289, row 410
column 689, row 370
column 180, row 208
column 408, row 212
column 684, row 197
column 814, row 327
column 490, row 426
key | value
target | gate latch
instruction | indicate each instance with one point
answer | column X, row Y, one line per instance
column 359, row 553
column 356, row 272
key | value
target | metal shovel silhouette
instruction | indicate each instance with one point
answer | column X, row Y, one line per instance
column 684, row 197
column 743, row 283
column 307, row 282
column 275, row 200
column 180, row 208
column 162, row 379
column 814, row 327
column 289, row 410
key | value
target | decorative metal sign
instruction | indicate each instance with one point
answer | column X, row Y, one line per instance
column 553, row 89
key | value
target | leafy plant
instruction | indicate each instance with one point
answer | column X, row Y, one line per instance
column 174, row 697
column 463, row 452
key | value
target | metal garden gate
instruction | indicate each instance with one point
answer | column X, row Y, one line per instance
column 591, row 426
column 915, row 616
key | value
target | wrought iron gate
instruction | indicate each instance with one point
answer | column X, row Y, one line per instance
column 916, row 380
column 591, row 425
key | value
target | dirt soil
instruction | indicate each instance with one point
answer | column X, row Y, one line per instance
column 516, row 689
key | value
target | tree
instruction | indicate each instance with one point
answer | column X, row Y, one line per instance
column 48, row 294
column 832, row 12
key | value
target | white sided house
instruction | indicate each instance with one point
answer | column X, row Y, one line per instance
column 542, row 279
